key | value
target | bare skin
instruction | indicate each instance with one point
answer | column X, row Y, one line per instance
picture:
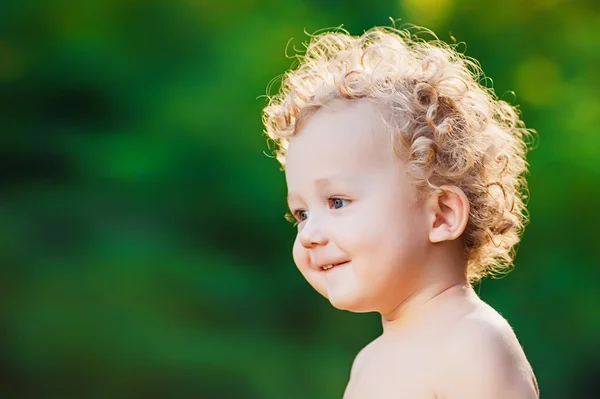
column 368, row 243
column 425, row 359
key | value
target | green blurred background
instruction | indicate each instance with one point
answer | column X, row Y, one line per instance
column 143, row 247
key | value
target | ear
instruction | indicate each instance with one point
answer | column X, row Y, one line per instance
column 448, row 214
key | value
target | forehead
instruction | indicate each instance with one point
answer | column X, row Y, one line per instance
column 345, row 137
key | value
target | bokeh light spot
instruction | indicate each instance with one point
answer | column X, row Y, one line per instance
column 538, row 80
column 428, row 12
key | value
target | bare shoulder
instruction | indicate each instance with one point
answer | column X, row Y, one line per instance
column 360, row 359
column 390, row 367
column 482, row 357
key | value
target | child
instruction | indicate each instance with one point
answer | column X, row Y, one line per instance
column 405, row 178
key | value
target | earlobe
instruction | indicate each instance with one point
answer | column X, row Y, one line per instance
column 449, row 214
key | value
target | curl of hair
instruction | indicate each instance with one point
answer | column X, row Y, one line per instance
column 446, row 126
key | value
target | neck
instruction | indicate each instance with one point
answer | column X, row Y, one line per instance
column 420, row 305
column 440, row 280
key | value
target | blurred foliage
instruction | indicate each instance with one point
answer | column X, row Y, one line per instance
column 143, row 249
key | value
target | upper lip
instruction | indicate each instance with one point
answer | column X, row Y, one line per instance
column 335, row 263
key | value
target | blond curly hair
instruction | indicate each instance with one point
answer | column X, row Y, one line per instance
column 446, row 126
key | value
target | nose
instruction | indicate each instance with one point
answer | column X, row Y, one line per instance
column 312, row 234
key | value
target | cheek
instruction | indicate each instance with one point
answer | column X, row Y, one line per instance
column 302, row 261
column 386, row 234
column 301, row 258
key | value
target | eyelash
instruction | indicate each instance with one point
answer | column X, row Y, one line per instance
column 294, row 217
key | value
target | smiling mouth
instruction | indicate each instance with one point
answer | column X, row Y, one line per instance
column 329, row 267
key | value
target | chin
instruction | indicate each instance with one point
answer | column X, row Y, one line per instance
column 349, row 303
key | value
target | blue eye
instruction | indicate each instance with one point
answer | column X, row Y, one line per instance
column 296, row 217
column 301, row 215
column 337, row 203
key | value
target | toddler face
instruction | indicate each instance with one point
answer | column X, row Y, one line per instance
column 355, row 209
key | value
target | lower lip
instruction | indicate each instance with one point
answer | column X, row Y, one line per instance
column 341, row 264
